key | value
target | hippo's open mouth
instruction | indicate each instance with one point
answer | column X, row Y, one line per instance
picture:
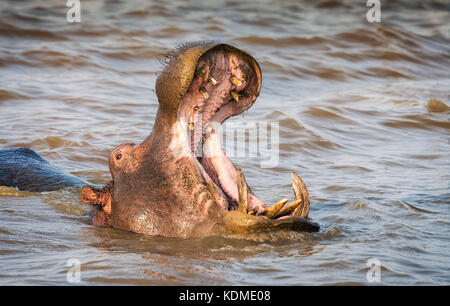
column 225, row 84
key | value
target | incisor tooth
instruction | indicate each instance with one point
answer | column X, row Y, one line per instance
column 234, row 80
column 234, row 95
column 213, row 81
column 191, row 126
column 203, row 91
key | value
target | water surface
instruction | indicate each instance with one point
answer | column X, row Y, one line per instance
column 352, row 100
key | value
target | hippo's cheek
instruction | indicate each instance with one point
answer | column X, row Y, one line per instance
column 143, row 222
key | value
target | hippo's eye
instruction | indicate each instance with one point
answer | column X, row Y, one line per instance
column 118, row 156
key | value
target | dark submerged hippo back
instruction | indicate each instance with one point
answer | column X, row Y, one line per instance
column 25, row 169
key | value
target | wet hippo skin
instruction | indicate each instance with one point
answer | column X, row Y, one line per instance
column 24, row 169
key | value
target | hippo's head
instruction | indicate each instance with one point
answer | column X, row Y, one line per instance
column 179, row 182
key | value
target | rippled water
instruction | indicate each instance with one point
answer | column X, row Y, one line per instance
column 363, row 114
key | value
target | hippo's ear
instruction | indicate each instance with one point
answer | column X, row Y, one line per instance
column 90, row 196
column 94, row 196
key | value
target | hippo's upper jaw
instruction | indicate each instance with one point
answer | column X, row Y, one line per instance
column 179, row 181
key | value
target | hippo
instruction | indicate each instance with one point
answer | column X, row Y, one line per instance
column 24, row 169
column 163, row 187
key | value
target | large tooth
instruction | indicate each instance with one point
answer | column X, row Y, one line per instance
column 191, row 126
column 242, row 191
column 274, row 209
column 234, row 80
column 288, row 209
column 300, row 192
column 203, row 91
column 234, row 95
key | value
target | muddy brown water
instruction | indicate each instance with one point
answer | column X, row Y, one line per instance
column 352, row 100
